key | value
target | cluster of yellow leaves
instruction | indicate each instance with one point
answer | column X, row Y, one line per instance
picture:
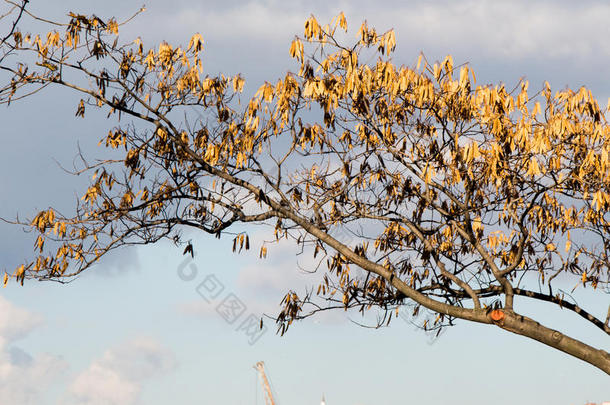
column 484, row 141
column 514, row 140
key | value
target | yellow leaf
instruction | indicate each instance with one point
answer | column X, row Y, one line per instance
column 238, row 83
column 5, row 282
column 533, row 167
column 296, row 49
column 138, row 42
column 196, row 43
column 464, row 80
column 448, row 62
column 437, row 71
column 112, row 27
column 150, row 60
column 390, row 42
column 342, row 21
column 536, row 110
column 312, row 28
column 477, row 224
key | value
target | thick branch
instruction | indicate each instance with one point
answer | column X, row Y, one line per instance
column 525, row 326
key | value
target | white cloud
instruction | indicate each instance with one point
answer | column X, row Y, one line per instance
column 257, row 19
column 23, row 378
column 15, row 322
column 510, row 29
column 102, row 385
column 118, row 376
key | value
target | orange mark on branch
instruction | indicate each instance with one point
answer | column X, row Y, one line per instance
column 497, row 315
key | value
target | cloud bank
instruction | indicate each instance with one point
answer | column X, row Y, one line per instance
column 117, row 378
column 24, row 378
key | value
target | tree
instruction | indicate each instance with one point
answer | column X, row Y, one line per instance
column 458, row 198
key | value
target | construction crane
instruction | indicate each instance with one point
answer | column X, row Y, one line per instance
column 260, row 366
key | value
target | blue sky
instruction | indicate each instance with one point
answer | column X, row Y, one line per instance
column 136, row 330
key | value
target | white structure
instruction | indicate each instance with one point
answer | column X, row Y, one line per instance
column 323, row 401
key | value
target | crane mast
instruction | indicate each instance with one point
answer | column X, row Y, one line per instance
column 260, row 366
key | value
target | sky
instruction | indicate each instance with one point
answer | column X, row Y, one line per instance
column 148, row 325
